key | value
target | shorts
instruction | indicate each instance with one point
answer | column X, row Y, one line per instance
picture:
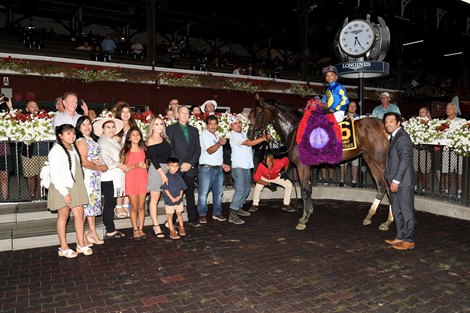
column 170, row 209
column 452, row 162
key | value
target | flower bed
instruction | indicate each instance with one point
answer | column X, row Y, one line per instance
column 439, row 132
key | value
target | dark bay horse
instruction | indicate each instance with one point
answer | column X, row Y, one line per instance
column 370, row 141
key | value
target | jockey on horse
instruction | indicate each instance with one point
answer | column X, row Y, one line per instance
column 335, row 96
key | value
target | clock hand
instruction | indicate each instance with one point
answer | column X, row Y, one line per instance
column 359, row 44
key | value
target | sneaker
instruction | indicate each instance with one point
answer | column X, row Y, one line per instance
column 253, row 209
column 195, row 224
column 203, row 220
column 234, row 218
column 242, row 212
column 219, row 218
column 288, row 208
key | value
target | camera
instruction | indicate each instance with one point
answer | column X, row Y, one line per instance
column 80, row 102
column 4, row 99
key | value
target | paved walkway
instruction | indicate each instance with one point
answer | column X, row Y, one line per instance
column 335, row 265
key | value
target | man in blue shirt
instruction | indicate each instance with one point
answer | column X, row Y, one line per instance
column 385, row 106
column 335, row 96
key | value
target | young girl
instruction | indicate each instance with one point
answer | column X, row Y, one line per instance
column 67, row 190
column 158, row 152
column 133, row 155
column 123, row 113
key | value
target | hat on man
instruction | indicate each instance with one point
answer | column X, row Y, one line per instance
column 385, row 94
column 330, row 68
column 98, row 125
column 203, row 106
column 234, row 118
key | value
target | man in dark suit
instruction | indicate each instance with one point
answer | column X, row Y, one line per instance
column 401, row 178
column 184, row 139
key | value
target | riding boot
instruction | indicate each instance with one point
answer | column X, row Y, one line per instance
column 233, row 218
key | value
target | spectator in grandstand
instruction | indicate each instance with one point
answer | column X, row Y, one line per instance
column 33, row 156
column 85, row 47
column 385, row 106
column 59, row 105
column 422, row 156
column 196, row 111
column 451, row 161
column 137, row 48
column 108, row 45
column 208, row 108
column 237, row 70
column 5, row 154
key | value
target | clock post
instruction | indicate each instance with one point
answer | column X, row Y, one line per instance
column 362, row 46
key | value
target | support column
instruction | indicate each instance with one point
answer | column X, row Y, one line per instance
column 304, row 52
column 151, row 32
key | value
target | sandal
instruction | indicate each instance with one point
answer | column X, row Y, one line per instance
column 85, row 250
column 119, row 213
column 93, row 241
column 174, row 235
column 142, row 234
column 125, row 208
column 114, row 235
column 136, row 235
column 158, row 231
column 69, row 253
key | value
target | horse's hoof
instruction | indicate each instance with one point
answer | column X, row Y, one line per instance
column 300, row 226
column 366, row 222
column 383, row 226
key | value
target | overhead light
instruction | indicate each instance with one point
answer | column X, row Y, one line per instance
column 455, row 53
column 413, row 42
column 466, row 1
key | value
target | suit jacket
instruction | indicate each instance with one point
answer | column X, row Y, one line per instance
column 183, row 150
column 399, row 164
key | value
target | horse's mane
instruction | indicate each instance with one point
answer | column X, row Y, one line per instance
column 284, row 107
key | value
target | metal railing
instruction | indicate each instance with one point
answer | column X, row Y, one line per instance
column 440, row 172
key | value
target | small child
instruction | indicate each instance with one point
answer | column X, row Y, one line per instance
column 173, row 195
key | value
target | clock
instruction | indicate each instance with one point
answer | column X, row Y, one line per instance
column 356, row 38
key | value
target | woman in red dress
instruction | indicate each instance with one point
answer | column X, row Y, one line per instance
column 133, row 155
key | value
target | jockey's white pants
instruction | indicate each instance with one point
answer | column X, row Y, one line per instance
column 287, row 184
column 339, row 116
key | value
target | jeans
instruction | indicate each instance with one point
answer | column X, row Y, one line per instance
column 210, row 177
column 241, row 184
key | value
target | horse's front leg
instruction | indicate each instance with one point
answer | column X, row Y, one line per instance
column 306, row 191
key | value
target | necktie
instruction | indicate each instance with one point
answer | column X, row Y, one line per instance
column 391, row 138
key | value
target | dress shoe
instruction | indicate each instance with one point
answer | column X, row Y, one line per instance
column 404, row 245
column 393, row 241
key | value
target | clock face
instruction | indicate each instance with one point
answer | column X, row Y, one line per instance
column 356, row 38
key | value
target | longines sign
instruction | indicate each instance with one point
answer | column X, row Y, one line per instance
column 366, row 69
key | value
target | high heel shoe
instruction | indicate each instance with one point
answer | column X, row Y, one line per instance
column 142, row 234
column 136, row 235
column 158, row 231
column 93, row 241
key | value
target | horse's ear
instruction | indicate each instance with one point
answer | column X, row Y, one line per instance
column 258, row 101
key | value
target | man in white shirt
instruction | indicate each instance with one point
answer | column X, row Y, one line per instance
column 70, row 115
column 451, row 162
column 211, row 167
column 242, row 163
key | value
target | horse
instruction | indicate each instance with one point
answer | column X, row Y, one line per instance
column 371, row 144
